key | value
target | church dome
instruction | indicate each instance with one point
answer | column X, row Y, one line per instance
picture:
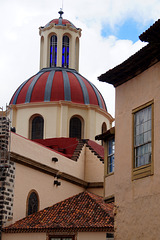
column 60, row 22
column 58, row 84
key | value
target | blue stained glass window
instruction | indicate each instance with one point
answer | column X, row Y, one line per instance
column 65, row 52
column 111, row 146
column 53, row 51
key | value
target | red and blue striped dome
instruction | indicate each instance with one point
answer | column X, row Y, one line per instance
column 56, row 84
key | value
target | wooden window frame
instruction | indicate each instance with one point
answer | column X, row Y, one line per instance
column 147, row 169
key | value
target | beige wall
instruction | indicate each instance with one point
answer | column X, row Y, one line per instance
column 42, row 236
column 137, row 201
column 28, row 179
column 24, row 236
column 93, row 168
column 91, row 236
column 57, row 116
column 87, row 168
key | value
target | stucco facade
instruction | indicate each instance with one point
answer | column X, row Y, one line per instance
column 35, row 170
column 44, row 236
column 136, row 200
column 57, row 116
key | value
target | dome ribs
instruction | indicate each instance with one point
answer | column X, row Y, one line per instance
column 100, row 100
column 48, row 88
column 30, row 89
column 76, row 90
column 67, row 88
column 57, row 91
column 58, row 84
column 84, row 89
column 14, row 99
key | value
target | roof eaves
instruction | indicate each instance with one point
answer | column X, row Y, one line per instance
column 106, row 135
column 133, row 66
column 151, row 34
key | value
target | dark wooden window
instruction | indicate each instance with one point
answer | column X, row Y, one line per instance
column 75, row 128
column 37, row 128
column 32, row 203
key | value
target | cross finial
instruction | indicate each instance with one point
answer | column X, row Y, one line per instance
column 61, row 13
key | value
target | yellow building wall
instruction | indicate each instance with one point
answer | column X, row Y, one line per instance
column 137, row 213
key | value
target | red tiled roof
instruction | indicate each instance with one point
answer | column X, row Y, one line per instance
column 66, row 146
column 71, row 147
column 97, row 149
column 82, row 212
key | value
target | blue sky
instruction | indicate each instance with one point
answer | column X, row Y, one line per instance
column 130, row 30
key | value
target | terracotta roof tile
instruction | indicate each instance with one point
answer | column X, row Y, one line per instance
column 83, row 212
column 97, row 149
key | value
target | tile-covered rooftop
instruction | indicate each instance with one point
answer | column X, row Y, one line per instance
column 82, row 212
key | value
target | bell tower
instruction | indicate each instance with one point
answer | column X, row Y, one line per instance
column 59, row 46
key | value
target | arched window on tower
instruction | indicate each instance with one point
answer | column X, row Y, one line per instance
column 32, row 202
column 53, row 51
column 37, row 128
column 65, row 51
column 75, row 128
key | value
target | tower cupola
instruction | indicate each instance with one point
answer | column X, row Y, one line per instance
column 59, row 45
